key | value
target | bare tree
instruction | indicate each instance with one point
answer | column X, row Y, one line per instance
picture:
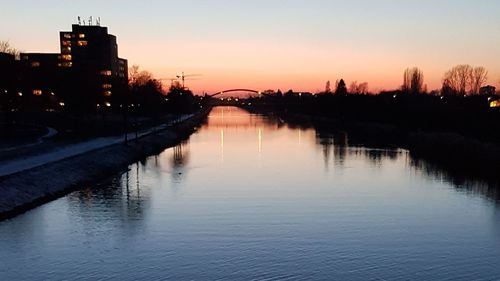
column 413, row 80
column 464, row 79
column 363, row 88
column 354, row 88
column 328, row 89
column 138, row 77
column 5, row 47
column 479, row 76
column 406, row 81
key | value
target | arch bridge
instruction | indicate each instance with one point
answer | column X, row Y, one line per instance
column 236, row 90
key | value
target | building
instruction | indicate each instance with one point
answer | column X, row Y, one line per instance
column 89, row 59
column 87, row 74
column 38, row 81
column 8, row 77
column 488, row 90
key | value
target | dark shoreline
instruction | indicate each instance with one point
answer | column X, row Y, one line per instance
column 26, row 190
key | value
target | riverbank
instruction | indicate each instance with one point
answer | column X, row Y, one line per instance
column 32, row 187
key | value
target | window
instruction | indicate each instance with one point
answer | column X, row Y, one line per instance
column 67, row 35
column 67, row 64
column 107, row 86
column 81, row 35
column 66, row 57
column 66, row 50
column 25, row 58
column 35, row 64
column 66, row 43
column 37, row 92
column 81, row 43
column 106, row 72
column 107, row 93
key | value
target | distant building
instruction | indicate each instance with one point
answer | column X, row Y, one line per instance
column 487, row 90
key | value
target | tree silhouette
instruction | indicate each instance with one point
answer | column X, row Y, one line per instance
column 465, row 79
column 341, row 88
column 5, row 47
column 146, row 91
column 180, row 99
column 479, row 76
column 328, row 89
column 413, row 81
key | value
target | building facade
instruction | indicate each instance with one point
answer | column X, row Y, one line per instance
column 89, row 58
column 87, row 74
column 8, row 80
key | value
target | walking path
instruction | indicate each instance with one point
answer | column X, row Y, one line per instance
column 19, row 165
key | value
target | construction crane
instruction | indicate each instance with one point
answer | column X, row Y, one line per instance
column 169, row 79
column 184, row 76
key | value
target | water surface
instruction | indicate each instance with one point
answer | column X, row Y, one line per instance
column 249, row 198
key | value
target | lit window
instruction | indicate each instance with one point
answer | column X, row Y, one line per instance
column 495, row 103
column 66, row 43
column 67, row 64
column 107, row 86
column 35, row 64
column 106, row 72
column 107, row 104
column 25, row 57
column 107, row 93
column 81, row 43
column 66, row 50
column 37, row 92
column 67, row 35
column 66, row 57
column 81, row 35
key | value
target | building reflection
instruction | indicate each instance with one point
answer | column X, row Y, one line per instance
column 179, row 160
column 124, row 199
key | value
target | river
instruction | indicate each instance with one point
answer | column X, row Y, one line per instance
column 251, row 198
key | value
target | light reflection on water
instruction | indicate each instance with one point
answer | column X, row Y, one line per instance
column 248, row 197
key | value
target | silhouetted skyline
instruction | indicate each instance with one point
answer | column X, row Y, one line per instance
column 277, row 44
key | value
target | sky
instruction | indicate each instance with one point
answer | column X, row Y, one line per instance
column 276, row 44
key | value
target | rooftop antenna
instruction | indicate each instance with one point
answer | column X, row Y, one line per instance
column 90, row 20
column 79, row 20
column 99, row 21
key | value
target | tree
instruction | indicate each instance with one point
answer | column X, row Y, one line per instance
column 341, row 88
column 465, row 79
column 146, row 91
column 353, row 88
column 328, row 89
column 363, row 88
column 180, row 99
column 478, row 79
column 356, row 88
column 413, row 80
column 5, row 47
column 139, row 78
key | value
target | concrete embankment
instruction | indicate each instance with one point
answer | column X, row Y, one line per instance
column 25, row 190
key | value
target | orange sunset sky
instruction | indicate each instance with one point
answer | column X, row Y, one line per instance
column 277, row 44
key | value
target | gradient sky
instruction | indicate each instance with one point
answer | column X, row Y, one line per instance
column 284, row 44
